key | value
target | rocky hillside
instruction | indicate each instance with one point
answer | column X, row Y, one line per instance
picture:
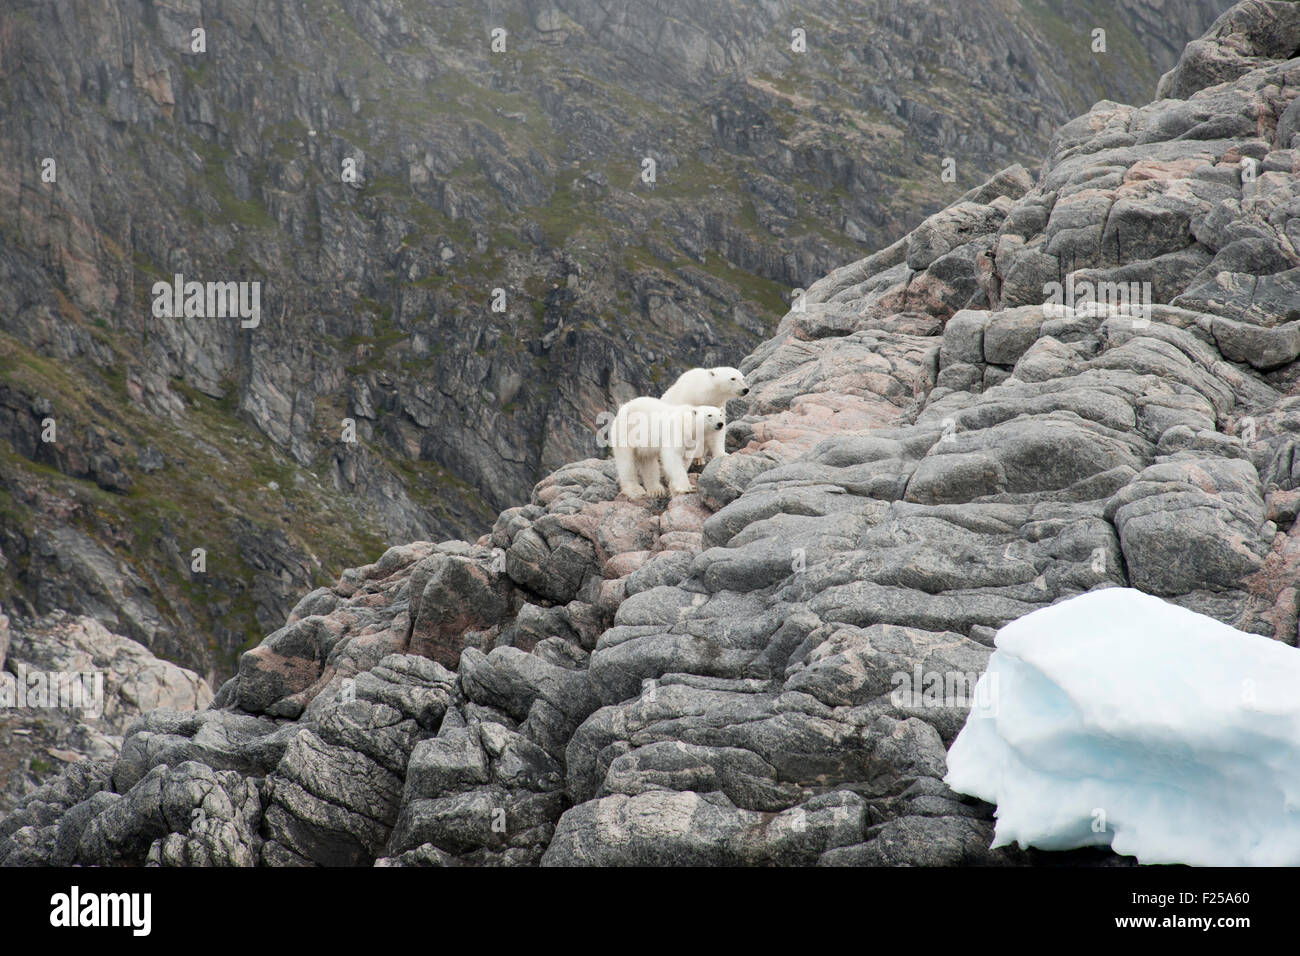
column 469, row 170
column 714, row 680
column 41, row 734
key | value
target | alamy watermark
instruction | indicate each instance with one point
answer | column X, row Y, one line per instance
column 1083, row 295
column 647, row 430
column 74, row 909
column 920, row 688
column 208, row 300
column 63, row 690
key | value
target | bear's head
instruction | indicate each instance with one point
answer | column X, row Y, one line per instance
column 728, row 381
column 705, row 420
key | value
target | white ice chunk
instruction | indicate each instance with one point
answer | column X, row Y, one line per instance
column 1118, row 718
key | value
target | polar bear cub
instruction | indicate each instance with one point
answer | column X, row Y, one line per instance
column 654, row 439
column 713, row 387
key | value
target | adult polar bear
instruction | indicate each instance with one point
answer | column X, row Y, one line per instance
column 653, row 440
column 708, row 386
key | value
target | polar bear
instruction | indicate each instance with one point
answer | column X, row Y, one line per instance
column 653, row 440
column 708, row 386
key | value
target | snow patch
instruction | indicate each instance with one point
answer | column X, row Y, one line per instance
column 1116, row 718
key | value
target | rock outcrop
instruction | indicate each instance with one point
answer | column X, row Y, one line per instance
column 769, row 670
column 131, row 156
column 81, row 689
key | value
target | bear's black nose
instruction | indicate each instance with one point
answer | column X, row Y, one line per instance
column 744, row 391
column 719, row 425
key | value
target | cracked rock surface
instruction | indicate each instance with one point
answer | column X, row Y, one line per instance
column 715, row 680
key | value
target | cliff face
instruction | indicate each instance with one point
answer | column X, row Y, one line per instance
column 769, row 670
column 475, row 171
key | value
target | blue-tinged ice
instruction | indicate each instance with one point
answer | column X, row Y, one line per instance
column 1116, row 718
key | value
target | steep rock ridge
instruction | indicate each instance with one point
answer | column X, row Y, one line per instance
column 476, row 171
column 931, row 448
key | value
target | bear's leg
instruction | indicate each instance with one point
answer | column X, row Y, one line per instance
column 625, row 462
column 651, row 478
column 675, row 471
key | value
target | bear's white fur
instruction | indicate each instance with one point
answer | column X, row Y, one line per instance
column 708, row 386
column 654, row 439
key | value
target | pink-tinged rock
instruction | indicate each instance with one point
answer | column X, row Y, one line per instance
column 625, row 526
column 681, row 541
column 334, row 626
column 612, row 593
column 79, row 260
column 588, row 620
column 460, row 595
column 395, row 562
column 398, row 559
column 1283, row 506
column 151, row 74
column 372, row 599
column 584, row 522
column 815, row 389
column 1275, row 590
column 684, row 513
column 358, row 654
column 812, row 418
column 927, row 293
column 266, row 676
column 1231, row 157
column 625, row 563
column 1169, row 169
